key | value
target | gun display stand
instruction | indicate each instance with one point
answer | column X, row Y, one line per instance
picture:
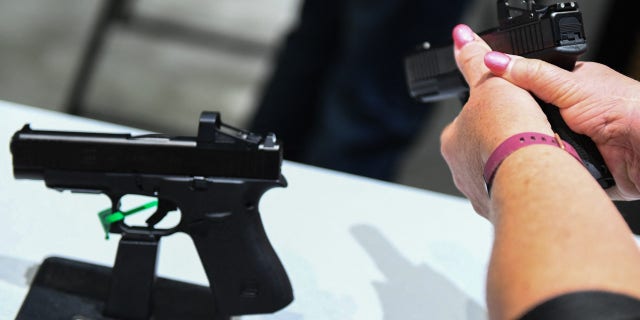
column 68, row 289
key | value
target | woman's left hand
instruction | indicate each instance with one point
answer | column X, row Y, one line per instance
column 495, row 111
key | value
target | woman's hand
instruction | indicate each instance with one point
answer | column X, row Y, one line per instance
column 495, row 111
column 594, row 100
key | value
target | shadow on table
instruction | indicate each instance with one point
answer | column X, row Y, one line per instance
column 17, row 271
column 413, row 291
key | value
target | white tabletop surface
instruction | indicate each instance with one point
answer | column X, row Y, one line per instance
column 354, row 248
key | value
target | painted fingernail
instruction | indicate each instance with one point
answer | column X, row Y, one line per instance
column 462, row 35
column 497, row 62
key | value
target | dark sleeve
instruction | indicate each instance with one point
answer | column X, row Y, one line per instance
column 587, row 305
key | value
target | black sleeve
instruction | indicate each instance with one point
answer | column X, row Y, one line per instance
column 587, row 305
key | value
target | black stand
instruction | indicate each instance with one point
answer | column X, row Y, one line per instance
column 68, row 289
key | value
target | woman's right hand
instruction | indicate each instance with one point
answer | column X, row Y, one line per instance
column 594, row 100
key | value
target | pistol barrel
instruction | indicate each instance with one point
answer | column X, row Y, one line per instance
column 35, row 152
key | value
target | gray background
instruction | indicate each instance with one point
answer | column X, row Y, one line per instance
column 162, row 85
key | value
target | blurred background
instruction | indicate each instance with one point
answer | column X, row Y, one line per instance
column 162, row 63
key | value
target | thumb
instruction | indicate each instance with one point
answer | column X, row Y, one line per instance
column 546, row 81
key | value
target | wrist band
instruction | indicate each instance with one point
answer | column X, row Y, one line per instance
column 516, row 142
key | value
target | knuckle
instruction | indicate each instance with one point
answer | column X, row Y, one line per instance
column 552, row 84
column 532, row 69
column 445, row 137
column 472, row 55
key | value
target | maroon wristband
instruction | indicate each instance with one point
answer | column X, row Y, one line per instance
column 514, row 143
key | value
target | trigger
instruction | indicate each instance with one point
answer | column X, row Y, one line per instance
column 164, row 207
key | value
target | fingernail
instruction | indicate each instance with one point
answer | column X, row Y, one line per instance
column 497, row 62
column 462, row 35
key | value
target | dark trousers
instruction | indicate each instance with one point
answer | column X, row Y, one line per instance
column 337, row 96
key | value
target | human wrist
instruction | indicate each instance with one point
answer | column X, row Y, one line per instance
column 494, row 138
column 516, row 142
column 537, row 174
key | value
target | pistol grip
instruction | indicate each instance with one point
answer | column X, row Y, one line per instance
column 244, row 272
column 586, row 148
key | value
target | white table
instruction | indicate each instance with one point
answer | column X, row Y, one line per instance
column 354, row 248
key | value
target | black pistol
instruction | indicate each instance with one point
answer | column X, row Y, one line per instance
column 216, row 181
column 553, row 33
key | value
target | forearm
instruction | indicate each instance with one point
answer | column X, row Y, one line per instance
column 555, row 231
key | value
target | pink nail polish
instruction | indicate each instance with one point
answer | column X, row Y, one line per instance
column 462, row 35
column 497, row 62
